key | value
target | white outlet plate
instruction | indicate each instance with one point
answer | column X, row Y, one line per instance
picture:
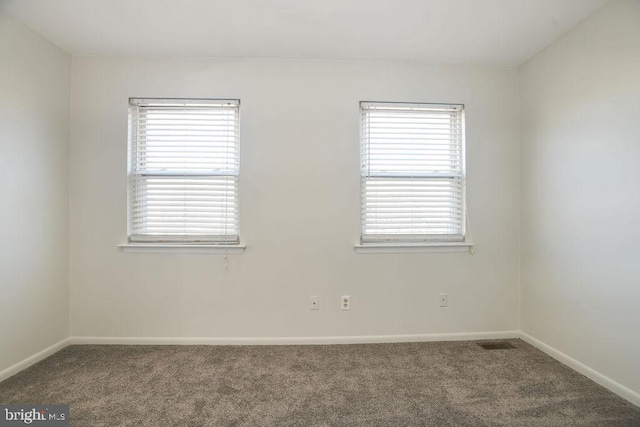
column 314, row 303
column 443, row 300
column 345, row 302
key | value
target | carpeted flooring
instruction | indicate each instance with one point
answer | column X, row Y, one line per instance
column 427, row 384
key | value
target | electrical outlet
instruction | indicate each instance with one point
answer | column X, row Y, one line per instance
column 345, row 303
column 314, row 303
column 443, row 300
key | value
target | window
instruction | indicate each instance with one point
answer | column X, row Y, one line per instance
column 412, row 173
column 183, row 171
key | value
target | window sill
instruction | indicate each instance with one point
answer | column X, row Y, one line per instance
column 167, row 248
column 401, row 248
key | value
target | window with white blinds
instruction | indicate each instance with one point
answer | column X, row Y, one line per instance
column 412, row 172
column 183, row 170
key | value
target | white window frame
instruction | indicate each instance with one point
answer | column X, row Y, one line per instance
column 397, row 242
column 141, row 241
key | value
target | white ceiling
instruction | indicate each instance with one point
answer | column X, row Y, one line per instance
column 506, row 32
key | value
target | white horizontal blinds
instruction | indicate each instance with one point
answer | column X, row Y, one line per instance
column 412, row 172
column 183, row 170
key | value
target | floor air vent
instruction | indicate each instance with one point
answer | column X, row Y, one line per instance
column 496, row 345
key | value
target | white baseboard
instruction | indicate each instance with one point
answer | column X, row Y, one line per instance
column 580, row 367
column 365, row 339
column 32, row 360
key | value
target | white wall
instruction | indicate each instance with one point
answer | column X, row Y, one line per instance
column 34, row 137
column 299, row 201
column 580, row 116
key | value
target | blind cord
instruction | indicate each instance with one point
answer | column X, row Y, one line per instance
column 226, row 208
column 472, row 249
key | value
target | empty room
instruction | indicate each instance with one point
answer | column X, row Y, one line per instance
column 319, row 213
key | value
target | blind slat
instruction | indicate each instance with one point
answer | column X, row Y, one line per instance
column 412, row 169
column 183, row 170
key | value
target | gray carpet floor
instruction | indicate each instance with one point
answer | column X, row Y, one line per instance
column 427, row 384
